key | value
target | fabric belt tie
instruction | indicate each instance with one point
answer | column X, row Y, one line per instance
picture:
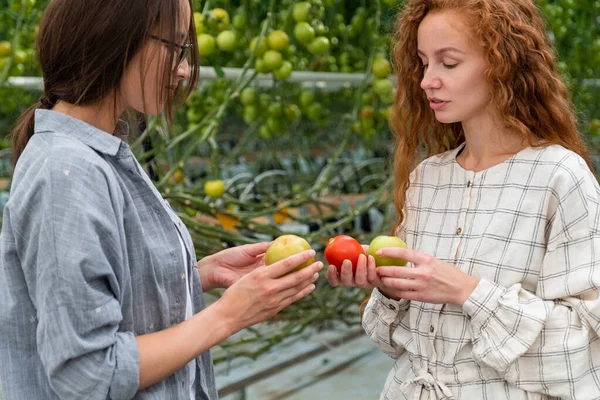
column 441, row 390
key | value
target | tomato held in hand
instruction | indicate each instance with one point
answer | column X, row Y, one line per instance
column 343, row 247
column 285, row 246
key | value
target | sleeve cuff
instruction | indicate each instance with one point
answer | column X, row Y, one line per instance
column 126, row 376
column 390, row 304
column 482, row 304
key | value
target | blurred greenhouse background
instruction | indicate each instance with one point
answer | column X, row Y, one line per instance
column 291, row 115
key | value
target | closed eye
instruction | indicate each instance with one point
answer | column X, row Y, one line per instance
column 450, row 66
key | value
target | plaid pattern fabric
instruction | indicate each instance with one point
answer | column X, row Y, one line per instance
column 528, row 228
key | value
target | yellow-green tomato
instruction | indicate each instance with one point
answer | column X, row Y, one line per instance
column 278, row 40
column 214, row 188
column 285, row 246
column 384, row 241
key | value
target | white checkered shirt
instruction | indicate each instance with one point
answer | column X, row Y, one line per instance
column 529, row 229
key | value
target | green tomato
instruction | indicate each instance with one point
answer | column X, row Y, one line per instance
column 367, row 124
column 249, row 96
column 304, row 32
column 264, row 100
column 17, row 70
column 206, row 44
column 381, row 68
column 250, row 114
column 260, row 66
column 240, row 20
column 358, row 22
column 314, row 111
column 275, row 125
column 292, row 112
column 275, row 110
column 301, row 11
column 306, row 98
column 272, row 59
column 284, row 72
column 320, row 28
column 382, row 86
column 384, row 241
column 278, row 40
column 264, row 132
column 319, row 46
column 262, row 47
column 226, row 41
column 5, row 48
column 219, row 18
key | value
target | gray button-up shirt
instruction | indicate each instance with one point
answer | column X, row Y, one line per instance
column 89, row 259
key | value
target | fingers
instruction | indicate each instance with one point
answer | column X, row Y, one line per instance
column 409, row 255
column 372, row 275
column 400, row 272
column 297, row 296
column 291, row 291
column 361, row 278
column 402, row 284
column 303, row 276
column 332, row 276
column 256, row 249
column 346, row 274
column 288, row 264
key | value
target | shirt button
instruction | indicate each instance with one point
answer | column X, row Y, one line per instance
column 459, row 231
column 469, row 184
column 392, row 307
column 431, row 329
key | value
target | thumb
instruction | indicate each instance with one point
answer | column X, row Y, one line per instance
column 256, row 249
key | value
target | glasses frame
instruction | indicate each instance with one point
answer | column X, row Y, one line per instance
column 185, row 48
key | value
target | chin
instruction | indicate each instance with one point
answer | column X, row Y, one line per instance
column 447, row 119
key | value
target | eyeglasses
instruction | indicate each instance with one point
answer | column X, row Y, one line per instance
column 183, row 49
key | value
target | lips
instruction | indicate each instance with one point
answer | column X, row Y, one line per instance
column 437, row 104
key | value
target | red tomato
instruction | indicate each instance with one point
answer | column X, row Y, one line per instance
column 343, row 247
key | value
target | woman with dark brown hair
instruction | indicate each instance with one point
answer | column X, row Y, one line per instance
column 101, row 292
column 502, row 217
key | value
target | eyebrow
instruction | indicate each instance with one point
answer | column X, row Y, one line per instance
column 443, row 50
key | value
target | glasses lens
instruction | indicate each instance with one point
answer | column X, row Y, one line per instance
column 183, row 54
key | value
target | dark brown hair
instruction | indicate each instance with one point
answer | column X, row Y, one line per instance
column 85, row 46
column 532, row 99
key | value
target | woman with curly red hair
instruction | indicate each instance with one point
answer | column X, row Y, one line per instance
column 501, row 218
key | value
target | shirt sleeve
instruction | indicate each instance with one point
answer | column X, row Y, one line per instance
column 73, row 263
column 547, row 341
column 380, row 319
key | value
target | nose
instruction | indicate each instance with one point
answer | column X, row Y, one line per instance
column 183, row 70
column 430, row 80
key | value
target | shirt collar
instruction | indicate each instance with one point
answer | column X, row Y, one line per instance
column 97, row 139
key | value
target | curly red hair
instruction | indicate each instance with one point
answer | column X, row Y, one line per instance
column 532, row 99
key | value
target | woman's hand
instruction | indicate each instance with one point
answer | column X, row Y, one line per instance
column 223, row 269
column 365, row 277
column 264, row 292
column 430, row 281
